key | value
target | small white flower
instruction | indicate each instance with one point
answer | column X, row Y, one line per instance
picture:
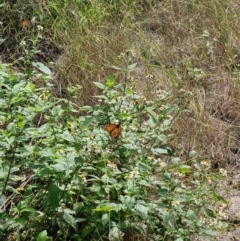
column 83, row 176
column 33, row 19
column 223, row 172
column 175, row 203
column 134, row 173
column 39, row 27
column 23, row 43
column 149, row 76
column 206, row 164
column 112, row 165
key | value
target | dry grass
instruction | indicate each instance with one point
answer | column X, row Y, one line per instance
column 190, row 45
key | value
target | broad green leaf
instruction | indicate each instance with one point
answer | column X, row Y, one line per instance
column 166, row 219
column 179, row 239
column 114, row 234
column 210, row 212
column 10, row 140
column 70, row 220
column 175, row 160
column 86, row 108
column 141, row 211
column 160, row 151
column 105, row 219
column 67, row 136
column 110, row 81
column 43, row 68
column 88, row 121
column 216, row 197
column 54, row 195
column 145, row 183
column 170, row 109
column 57, row 110
column 192, row 215
column 2, row 199
column 100, row 85
column 21, row 221
column 47, row 152
column 163, row 191
column 127, row 201
column 162, row 138
column 88, row 229
column 43, row 128
column 70, row 211
column 104, row 208
column 42, row 236
column 2, row 41
column 28, row 209
column 132, row 66
column 192, row 154
column 185, row 169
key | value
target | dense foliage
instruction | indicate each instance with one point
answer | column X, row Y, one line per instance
column 65, row 178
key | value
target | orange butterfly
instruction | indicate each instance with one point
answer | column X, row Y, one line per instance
column 114, row 130
column 26, row 23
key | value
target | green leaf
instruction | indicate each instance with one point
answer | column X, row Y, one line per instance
column 110, row 81
column 185, row 169
column 166, row 219
column 86, row 108
column 43, row 68
column 54, row 195
column 179, row 239
column 161, row 151
column 192, row 215
column 88, row 229
column 104, row 208
column 70, row 220
column 141, row 211
column 42, row 236
column 47, row 152
column 28, row 209
column 21, row 221
column 2, row 41
column 175, row 160
column 57, row 110
column 2, row 199
column 100, row 85
column 210, row 213
column 114, row 234
column 162, row 138
column 216, row 197
column 170, row 109
column 10, row 140
column 131, row 66
column 67, row 136
column 105, row 219
column 127, row 201
column 88, row 121
column 116, row 67
column 192, row 154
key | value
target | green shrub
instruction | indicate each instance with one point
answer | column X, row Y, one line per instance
column 65, row 178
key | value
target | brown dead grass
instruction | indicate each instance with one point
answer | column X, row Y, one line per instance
column 190, row 45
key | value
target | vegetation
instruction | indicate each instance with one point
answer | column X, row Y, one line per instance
column 166, row 71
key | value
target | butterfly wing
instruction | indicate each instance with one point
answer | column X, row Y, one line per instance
column 114, row 130
column 26, row 23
